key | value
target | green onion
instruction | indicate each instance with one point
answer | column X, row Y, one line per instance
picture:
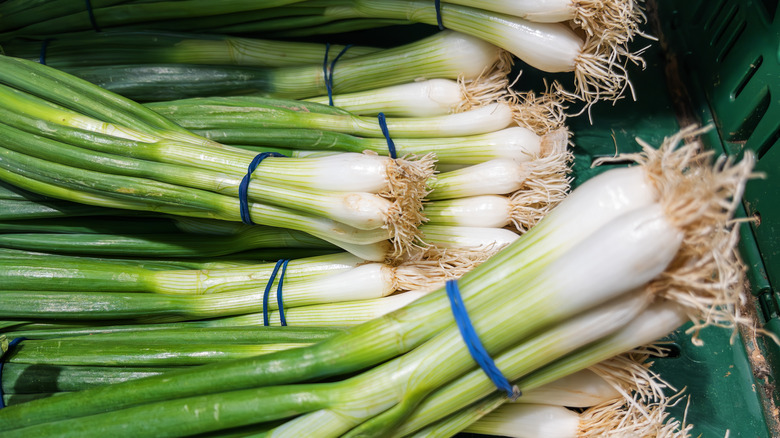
column 216, row 114
column 83, row 274
column 432, row 97
column 148, row 47
column 515, row 142
column 424, row 98
column 154, row 264
column 19, row 379
column 12, row 209
column 504, row 176
column 75, row 17
column 186, row 245
column 84, row 352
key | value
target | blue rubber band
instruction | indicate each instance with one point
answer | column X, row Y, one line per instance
column 243, row 188
column 386, row 133
column 328, row 72
column 266, row 294
column 279, row 300
column 2, row 361
column 477, row 350
column 92, row 16
column 42, row 55
column 437, row 5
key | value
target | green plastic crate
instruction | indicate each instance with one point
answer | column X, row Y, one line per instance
column 718, row 62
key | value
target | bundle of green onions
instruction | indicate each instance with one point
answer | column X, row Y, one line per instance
column 418, row 98
column 49, row 365
column 68, row 139
column 528, row 165
column 537, row 34
column 569, row 292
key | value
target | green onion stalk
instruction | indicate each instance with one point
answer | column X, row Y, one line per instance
column 232, row 332
column 341, row 314
column 100, row 162
column 154, row 47
column 81, row 293
column 128, row 237
column 11, row 209
column 232, row 260
column 60, row 352
column 513, row 142
column 447, row 55
column 66, row 16
column 613, row 235
column 98, row 275
column 81, row 273
column 12, row 193
column 42, row 366
column 154, row 264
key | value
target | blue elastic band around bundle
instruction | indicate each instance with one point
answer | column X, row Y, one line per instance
column 437, row 5
column 44, row 46
column 243, row 188
column 279, row 264
column 386, row 133
column 11, row 344
column 92, row 16
column 328, row 72
column 476, row 349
